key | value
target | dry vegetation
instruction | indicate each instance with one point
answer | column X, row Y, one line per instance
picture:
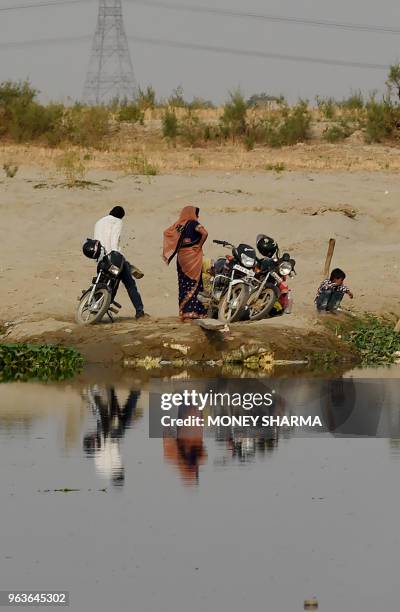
column 148, row 137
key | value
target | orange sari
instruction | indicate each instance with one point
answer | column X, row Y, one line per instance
column 180, row 240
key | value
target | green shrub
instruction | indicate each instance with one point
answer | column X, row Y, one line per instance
column 24, row 119
column 131, row 113
column 170, row 125
column 378, row 124
column 10, row 93
column 87, row 126
column 264, row 99
column 233, row 120
column 327, row 106
column 354, row 102
column 10, row 169
column 70, row 165
column 337, row 132
column 146, row 98
column 393, row 80
column 191, row 129
column 139, row 164
column 176, row 99
column 249, row 141
column 277, row 167
column 200, row 103
column 288, row 128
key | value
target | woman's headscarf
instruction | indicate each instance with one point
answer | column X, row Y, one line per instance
column 173, row 234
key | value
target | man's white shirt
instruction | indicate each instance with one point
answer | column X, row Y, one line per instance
column 108, row 231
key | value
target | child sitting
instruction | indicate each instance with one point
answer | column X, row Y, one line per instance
column 331, row 291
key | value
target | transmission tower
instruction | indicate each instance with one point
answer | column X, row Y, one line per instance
column 110, row 73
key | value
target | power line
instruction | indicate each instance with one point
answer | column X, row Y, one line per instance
column 210, row 48
column 322, row 23
column 45, row 41
column 254, row 53
column 18, row 7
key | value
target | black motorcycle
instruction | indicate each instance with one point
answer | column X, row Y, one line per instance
column 98, row 300
column 231, row 282
column 270, row 292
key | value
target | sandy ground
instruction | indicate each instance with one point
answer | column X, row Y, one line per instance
column 42, row 270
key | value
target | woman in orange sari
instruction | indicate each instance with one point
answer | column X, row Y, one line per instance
column 185, row 239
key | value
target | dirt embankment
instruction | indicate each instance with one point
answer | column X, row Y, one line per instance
column 162, row 342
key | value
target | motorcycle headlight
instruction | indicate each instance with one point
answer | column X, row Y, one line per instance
column 113, row 270
column 247, row 261
column 285, row 268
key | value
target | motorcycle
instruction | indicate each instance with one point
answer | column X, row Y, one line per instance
column 98, row 300
column 231, row 282
column 270, row 294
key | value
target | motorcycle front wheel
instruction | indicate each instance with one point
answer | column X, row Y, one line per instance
column 260, row 307
column 92, row 311
column 230, row 310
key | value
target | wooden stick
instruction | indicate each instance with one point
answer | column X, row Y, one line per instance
column 329, row 255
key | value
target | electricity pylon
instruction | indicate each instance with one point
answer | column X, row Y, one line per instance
column 110, row 73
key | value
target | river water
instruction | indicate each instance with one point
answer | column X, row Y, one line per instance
column 90, row 504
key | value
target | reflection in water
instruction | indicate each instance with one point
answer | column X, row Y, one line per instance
column 112, row 422
column 324, row 510
column 184, row 445
column 185, row 448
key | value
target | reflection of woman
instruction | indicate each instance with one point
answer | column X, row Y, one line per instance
column 185, row 239
column 186, row 449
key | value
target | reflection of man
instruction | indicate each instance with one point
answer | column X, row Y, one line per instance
column 112, row 421
column 186, row 450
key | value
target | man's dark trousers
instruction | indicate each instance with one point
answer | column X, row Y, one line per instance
column 130, row 285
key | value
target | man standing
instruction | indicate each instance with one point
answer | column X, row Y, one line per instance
column 108, row 231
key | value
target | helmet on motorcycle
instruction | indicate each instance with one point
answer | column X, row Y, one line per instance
column 91, row 248
column 266, row 245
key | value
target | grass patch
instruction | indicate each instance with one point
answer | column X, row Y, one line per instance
column 10, row 169
column 139, row 164
column 22, row 362
column 278, row 167
column 70, row 165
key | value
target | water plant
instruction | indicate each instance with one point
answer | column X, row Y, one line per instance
column 375, row 339
column 22, row 362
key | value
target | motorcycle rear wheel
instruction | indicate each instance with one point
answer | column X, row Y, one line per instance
column 264, row 304
column 88, row 314
column 231, row 312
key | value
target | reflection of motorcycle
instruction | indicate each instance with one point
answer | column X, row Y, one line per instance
column 112, row 422
column 230, row 288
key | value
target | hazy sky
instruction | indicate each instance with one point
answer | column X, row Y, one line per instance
column 58, row 70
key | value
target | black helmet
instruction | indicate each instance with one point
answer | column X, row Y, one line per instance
column 266, row 245
column 91, row 248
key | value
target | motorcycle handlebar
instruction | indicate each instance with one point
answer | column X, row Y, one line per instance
column 222, row 242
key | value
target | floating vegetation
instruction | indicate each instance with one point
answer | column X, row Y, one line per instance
column 38, row 362
column 375, row 339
